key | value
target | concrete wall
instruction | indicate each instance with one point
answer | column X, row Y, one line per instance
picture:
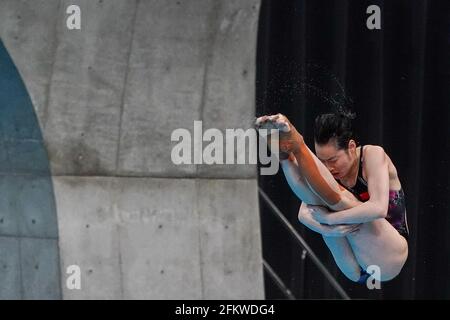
column 107, row 98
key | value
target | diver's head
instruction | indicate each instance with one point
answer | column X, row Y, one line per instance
column 335, row 143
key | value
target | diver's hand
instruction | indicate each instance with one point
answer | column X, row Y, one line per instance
column 338, row 230
column 320, row 214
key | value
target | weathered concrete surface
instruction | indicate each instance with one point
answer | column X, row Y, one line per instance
column 107, row 98
column 88, row 236
column 86, row 89
column 230, row 241
column 229, row 92
column 140, row 238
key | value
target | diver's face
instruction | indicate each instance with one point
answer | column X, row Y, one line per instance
column 338, row 161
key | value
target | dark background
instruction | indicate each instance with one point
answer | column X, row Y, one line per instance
column 397, row 80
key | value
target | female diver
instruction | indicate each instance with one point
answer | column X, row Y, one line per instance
column 350, row 194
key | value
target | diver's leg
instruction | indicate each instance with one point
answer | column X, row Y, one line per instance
column 321, row 181
column 344, row 257
column 378, row 243
column 297, row 182
column 339, row 246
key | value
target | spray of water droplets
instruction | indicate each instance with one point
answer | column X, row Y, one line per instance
column 312, row 82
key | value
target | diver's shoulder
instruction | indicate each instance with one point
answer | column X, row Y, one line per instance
column 371, row 149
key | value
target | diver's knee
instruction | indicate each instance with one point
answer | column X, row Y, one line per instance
column 396, row 268
column 390, row 275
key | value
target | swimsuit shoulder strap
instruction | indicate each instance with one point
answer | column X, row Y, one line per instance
column 360, row 176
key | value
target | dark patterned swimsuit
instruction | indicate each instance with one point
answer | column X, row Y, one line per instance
column 396, row 214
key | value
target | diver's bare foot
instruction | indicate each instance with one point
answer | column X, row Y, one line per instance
column 289, row 138
column 277, row 122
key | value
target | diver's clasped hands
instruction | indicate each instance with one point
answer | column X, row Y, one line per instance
column 322, row 215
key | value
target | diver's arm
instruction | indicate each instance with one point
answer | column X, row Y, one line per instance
column 306, row 218
column 376, row 167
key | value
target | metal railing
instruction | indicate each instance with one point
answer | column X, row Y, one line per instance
column 278, row 281
column 304, row 245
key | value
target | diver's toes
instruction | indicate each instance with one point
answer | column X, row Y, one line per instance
column 284, row 126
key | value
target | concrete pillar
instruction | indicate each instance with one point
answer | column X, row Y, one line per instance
column 107, row 98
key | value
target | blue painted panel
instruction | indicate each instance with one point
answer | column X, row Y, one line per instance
column 9, row 217
column 35, row 211
column 9, row 269
column 18, row 119
column 40, row 268
column 27, row 203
